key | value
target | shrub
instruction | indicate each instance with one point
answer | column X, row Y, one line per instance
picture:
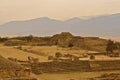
column 50, row 57
column 92, row 57
column 58, row 54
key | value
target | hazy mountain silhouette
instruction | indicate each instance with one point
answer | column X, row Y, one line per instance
column 106, row 25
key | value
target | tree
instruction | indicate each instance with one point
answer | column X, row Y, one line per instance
column 29, row 38
column 117, row 45
column 50, row 57
column 3, row 39
column 110, row 46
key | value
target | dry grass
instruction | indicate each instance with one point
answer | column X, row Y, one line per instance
column 19, row 54
column 96, row 44
column 42, row 52
column 51, row 50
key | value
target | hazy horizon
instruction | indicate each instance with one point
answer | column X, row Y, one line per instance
column 82, row 18
column 12, row 10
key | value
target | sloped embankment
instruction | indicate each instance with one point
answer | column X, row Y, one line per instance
column 6, row 64
column 12, row 71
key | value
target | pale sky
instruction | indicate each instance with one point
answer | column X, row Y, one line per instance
column 11, row 10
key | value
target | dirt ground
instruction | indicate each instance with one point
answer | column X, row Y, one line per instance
column 73, row 75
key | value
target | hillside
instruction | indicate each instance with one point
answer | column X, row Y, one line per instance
column 6, row 64
column 64, row 39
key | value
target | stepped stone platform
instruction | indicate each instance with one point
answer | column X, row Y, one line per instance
column 105, row 65
column 64, row 66
column 80, row 65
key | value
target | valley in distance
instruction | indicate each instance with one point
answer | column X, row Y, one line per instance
column 62, row 56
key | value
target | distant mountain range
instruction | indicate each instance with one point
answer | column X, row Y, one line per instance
column 103, row 26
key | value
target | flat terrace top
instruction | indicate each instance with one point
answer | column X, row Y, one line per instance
column 102, row 57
